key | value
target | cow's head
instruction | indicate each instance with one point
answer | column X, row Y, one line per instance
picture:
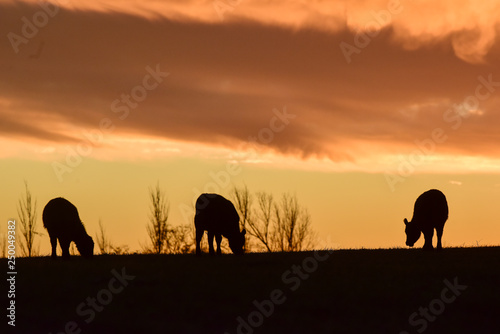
column 412, row 233
column 237, row 242
column 86, row 246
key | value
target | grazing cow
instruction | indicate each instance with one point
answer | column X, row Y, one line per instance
column 218, row 217
column 61, row 220
column 430, row 212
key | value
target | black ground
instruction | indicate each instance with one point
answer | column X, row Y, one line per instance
column 347, row 291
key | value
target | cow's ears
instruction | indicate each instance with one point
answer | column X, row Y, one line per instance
column 406, row 221
column 243, row 232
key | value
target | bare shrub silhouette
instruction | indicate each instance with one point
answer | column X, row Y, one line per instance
column 243, row 202
column 102, row 240
column 105, row 245
column 119, row 250
column 27, row 211
column 276, row 226
column 182, row 239
column 158, row 227
column 292, row 231
column 260, row 226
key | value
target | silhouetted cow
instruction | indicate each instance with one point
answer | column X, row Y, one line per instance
column 430, row 212
column 218, row 216
column 61, row 220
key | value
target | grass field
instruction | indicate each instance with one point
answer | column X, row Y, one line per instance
column 344, row 291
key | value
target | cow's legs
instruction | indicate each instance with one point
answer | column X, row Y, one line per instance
column 428, row 234
column 53, row 243
column 211, row 243
column 65, row 247
column 199, row 236
column 218, row 240
column 439, row 233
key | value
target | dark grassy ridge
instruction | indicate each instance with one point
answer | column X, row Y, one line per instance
column 351, row 291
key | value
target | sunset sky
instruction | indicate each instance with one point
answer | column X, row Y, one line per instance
column 357, row 107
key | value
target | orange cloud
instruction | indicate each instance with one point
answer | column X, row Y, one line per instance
column 473, row 27
column 227, row 77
